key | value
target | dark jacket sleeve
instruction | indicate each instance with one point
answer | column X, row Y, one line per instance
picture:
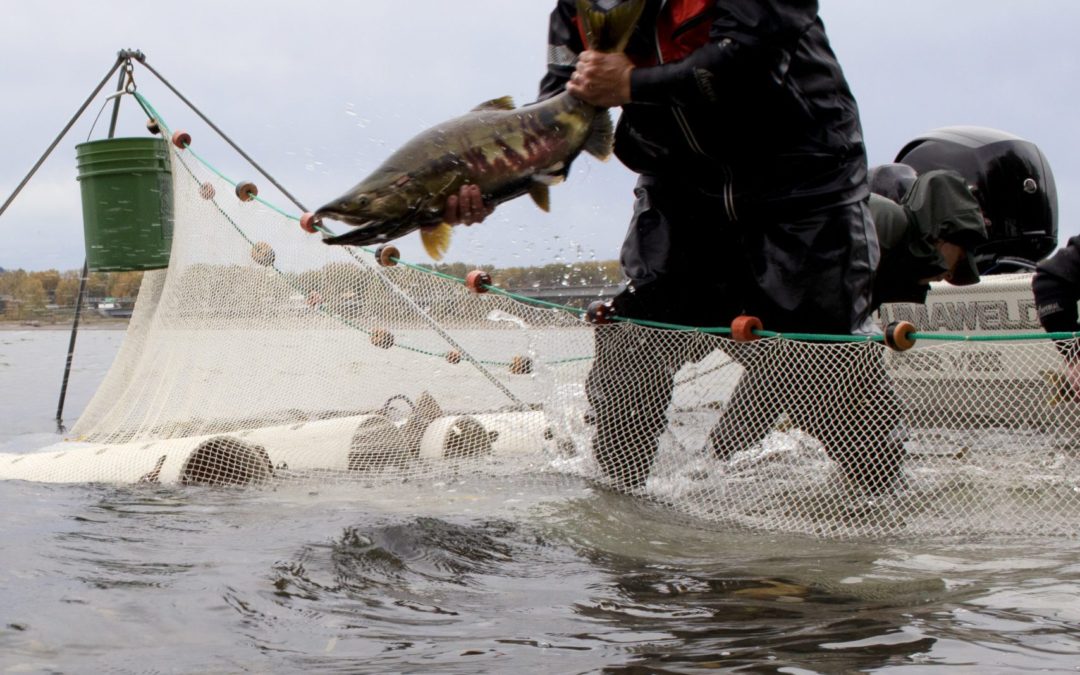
column 564, row 44
column 907, row 255
column 1056, row 286
column 747, row 40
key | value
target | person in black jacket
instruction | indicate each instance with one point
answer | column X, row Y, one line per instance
column 930, row 235
column 752, row 197
column 1056, row 285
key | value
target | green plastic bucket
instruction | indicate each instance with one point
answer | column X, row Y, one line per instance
column 127, row 203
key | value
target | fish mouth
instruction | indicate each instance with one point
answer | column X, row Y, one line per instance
column 344, row 217
column 364, row 232
column 357, row 238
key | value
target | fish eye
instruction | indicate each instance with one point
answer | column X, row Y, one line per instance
column 362, row 202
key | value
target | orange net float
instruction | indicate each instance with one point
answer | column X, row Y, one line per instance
column 477, row 281
column 387, row 255
column 309, row 223
column 246, row 191
column 382, row 338
column 521, row 365
column 263, row 254
column 207, row 191
column 743, row 327
column 152, row 126
column 899, row 336
column 453, row 357
column 181, row 139
column 599, row 312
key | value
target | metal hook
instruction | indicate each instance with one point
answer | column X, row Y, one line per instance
column 129, row 69
column 129, row 84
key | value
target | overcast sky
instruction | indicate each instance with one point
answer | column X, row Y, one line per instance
column 320, row 92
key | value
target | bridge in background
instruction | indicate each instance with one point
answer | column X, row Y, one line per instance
column 574, row 296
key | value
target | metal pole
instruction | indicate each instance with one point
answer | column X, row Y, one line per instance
column 221, row 133
column 85, row 273
column 60, row 428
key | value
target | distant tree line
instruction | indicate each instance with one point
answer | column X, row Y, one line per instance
column 26, row 294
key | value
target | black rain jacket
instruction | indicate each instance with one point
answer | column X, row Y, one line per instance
column 743, row 96
column 1056, row 285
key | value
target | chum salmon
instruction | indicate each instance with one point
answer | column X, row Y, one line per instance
column 506, row 151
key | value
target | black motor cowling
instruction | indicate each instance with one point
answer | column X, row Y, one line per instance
column 1009, row 176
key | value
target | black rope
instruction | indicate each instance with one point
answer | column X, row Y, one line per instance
column 120, row 59
column 228, row 140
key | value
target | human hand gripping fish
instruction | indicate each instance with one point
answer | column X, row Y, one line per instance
column 601, row 79
column 459, row 171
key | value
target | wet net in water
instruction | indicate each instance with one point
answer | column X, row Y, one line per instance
column 262, row 355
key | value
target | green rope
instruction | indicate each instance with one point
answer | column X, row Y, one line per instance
column 815, row 337
column 715, row 330
column 534, row 301
column 1019, row 337
column 152, row 111
column 210, row 166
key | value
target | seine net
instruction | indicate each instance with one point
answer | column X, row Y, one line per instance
column 262, row 355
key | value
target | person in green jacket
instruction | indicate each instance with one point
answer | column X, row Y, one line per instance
column 930, row 234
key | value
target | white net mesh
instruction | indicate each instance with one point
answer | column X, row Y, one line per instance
column 263, row 355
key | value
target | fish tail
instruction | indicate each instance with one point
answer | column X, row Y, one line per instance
column 608, row 24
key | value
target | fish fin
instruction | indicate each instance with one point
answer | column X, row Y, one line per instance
column 601, row 138
column 608, row 30
column 540, row 194
column 501, row 103
column 549, row 179
column 436, row 240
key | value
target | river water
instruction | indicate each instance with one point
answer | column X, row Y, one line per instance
column 537, row 575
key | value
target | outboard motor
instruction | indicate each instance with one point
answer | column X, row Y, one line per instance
column 1012, row 180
